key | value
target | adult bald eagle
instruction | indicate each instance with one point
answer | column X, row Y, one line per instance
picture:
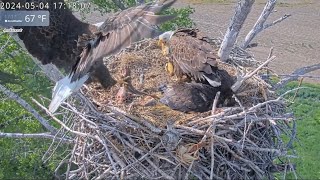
column 79, row 46
column 189, row 97
column 190, row 54
column 197, row 97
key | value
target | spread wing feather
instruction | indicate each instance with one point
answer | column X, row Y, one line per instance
column 120, row 31
column 65, row 41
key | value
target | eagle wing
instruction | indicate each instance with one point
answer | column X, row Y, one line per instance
column 55, row 43
column 74, row 45
column 192, row 55
column 119, row 32
column 189, row 97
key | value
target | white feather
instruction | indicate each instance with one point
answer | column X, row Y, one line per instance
column 211, row 82
column 98, row 24
column 63, row 89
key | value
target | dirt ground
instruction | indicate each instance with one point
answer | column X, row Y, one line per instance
column 296, row 40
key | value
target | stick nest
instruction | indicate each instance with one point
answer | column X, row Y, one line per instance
column 139, row 138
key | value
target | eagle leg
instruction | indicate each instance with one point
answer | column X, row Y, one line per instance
column 183, row 79
column 103, row 76
column 125, row 77
column 124, row 81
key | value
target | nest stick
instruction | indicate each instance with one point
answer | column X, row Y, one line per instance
column 240, row 80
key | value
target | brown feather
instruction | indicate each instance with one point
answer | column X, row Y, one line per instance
column 192, row 55
column 198, row 97
column 189, row 97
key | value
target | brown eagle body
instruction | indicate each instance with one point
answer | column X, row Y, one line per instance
column 198, row 97
column 192, row 55
column 189, row 97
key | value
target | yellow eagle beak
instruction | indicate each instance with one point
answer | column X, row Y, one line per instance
column 164, row 47
column 160, row 43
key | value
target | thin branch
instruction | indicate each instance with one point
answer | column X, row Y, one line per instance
column 215, row 102
column 213, row 129
column 34, row 135
column 259, row 25
column 296, row 93
column 240, row 80
column 295, row 75
column 61, row 123
column 29, row 108
column 299, row 76
column 277, row 21
column 242, row 11
column 5, row 44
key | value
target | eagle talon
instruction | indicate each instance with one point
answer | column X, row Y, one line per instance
column 123, row 81
column 125, row 77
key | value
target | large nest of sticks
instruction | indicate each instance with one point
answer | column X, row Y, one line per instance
column 138, row 137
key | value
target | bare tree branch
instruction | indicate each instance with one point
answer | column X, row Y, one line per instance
column 60, row 122
column 276, row 21
column 299, row 76
column 5, row 44
column 295, row 75
column 35, row 135
column 28, row 107
column 260, row 24
column 242, row 11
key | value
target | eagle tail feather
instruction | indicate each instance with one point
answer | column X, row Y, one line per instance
column 213, row 80
column 63, row 89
